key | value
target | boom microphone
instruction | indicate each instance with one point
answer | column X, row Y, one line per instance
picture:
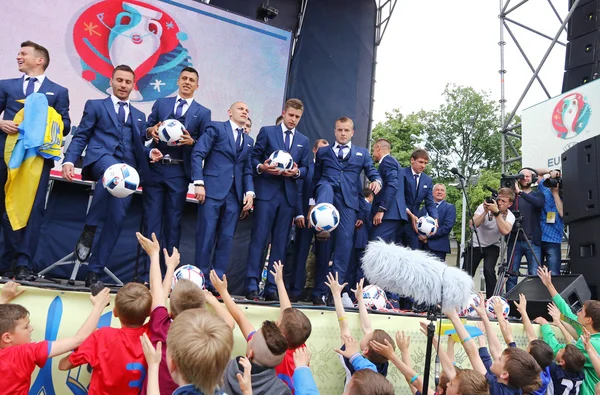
column 454, row 171
column 416, row 274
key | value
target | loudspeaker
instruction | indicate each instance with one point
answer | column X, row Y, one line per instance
column 580, row 75
column 583, row 50
column 583, row 46
column 572, row 288
column 581, row 193
column 581, row 3
column 584, row 242
column 583, row 21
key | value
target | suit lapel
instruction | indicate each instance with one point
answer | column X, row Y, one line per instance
column 18, row 88
column 279, row 138
column 229, row 132
column 167, row 110
column 189, row 114
column 111, row 111
column 133, row 116
column 46, row 85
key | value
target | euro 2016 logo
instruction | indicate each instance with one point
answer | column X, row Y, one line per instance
column 114, row 32
column 571, row 115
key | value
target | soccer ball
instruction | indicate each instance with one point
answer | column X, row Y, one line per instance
column 188, row 272
column 489, row 306
column 324, row 216
column 426, row 226
column 282, row 160
column 374, row 297
column 170, row 131
column 468, row 311
column 121, row 180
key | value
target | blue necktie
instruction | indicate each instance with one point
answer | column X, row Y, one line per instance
column 179, row 110
column 341, row 151
column 238, row 140
column 416, row 184
column 121, row 112
column 30, row 86
column 288, row 138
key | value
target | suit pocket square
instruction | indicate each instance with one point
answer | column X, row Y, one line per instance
column 424, row 186
column 359, row 154
column 299, row 145
column 139, row 120
column 249, row 145
column 50, row 93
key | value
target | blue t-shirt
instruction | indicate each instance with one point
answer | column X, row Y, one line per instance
column 551, row 233
column 544, row 376
column 563, row 382
column 496, row 388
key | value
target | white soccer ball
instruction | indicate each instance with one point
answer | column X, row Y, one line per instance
column 121, row 180
column 188, row 272
column 324, row 216
column 468, row 311
column 426, row 226
column 374, row 297
column 282, row 160
column 170, row 131
column 489, row 306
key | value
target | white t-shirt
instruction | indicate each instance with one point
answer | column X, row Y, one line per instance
column 488, row 231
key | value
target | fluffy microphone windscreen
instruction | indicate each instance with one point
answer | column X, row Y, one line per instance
column 416, row 274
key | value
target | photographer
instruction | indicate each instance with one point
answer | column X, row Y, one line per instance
column 529, row 203
column 493, row 220
column 551, row 220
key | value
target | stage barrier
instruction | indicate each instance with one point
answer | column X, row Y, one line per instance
column 59, row 314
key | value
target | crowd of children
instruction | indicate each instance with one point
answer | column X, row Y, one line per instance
column 187, row 349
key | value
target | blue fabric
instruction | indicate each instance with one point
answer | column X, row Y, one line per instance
column 551, row 253
column 30, row 85
column 287, row 142
column 121, row 112
column 424, row 194
column 563, row 382
column 391, row 195
column 359, row 363
column 304, row 383
column 545, row 379
column 440, row 241
column 530, row 206
column 521, row 248
column 179, row 109
column 551, row 233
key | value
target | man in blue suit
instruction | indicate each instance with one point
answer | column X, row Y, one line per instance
column 418, row 188
column 112, row 129
column 304, row 233
column 337, row 181
column 276, row 195
column 165, row 190
column 222, row 187
column 32, row 61
column 439, row 243
column 389, row 207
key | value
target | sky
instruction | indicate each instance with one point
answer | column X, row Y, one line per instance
column 430, row 44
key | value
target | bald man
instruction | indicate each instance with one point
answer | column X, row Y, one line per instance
column 223, row 187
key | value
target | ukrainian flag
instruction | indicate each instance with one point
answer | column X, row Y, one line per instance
column 39, row 138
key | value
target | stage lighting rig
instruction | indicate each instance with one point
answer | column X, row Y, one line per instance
column 266, row 12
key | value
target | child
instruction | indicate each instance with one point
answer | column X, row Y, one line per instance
column 380, row 361
column 185, row 296
column 10, row 292
column 304, row 383
column 265, row 349
column 116, row 355
column 19, row 357
column 587, row 318
column 199, row 344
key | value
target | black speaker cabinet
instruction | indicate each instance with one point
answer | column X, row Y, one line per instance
column 584, row 240
column 584, row 20
column 583, row 50
column 581, row 75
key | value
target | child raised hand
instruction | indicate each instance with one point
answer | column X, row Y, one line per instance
column 153, row 357
column 277, row 272
column 10, row 292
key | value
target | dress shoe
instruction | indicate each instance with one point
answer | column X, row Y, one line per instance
column 252, row 295
column 306, row 295
column 272, row 297
column 329, row 300
column 24, row 274
column 318, row 301
column 91, row 279
column 294, row 298
column 83, row 248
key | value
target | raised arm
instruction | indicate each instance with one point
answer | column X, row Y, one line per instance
column 591, row 351
column 10, row 292
column 494, row 343
column 505, row 327
column 445, row 360
column 522, row 308
column 152, row 248
column 284, row 299
column 237, row 314
column 153, row 357
column 468, row 344
column 171, row 262
column 336, row 292
column 561, row 304
column 365, row 321
column 219, row 309
column 555, row 314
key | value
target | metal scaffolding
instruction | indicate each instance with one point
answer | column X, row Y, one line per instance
column 510, row 133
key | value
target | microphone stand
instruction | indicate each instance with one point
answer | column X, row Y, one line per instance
column 470, row 215
column 432, row 316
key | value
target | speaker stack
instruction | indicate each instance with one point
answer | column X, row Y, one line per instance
column 582, row 62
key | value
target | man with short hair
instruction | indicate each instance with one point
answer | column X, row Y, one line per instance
column 111, row 129
column 337, row 181
column 32, row 60
column 165, row 190
column 276, row 195
column 248, row 126
column 439, row 243
column 222, row 173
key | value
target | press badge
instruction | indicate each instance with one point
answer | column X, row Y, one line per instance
column 550, row 217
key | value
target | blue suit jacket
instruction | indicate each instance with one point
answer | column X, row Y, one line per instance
column 222, row 166
column 440, row 241
column 270, row 139
column 391, row 196
column 99, row 131
column 305, row 188
column 424, row 194
column 197, row 119
column 346, row 174
column 11, row 90
column 361, row 235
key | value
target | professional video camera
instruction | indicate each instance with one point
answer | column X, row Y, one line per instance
column 552, row 182
column 508, row 181
column 491, row 199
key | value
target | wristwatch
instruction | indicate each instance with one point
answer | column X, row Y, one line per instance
column 497, row 213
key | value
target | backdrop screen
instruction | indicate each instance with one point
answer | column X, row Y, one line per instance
column 237, row 58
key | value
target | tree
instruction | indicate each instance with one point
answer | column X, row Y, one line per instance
column 398, row 130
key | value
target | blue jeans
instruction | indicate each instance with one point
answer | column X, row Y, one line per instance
column 521, row 248
column 551, row 252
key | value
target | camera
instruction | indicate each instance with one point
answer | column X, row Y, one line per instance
column 508, row 181
column 491, row 199
column 552, row 182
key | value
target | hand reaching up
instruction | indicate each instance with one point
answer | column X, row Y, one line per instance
column 220, row 285
column 10, row 292
column 152, row 247
column 302, row 356
column 358, row 292
column 277, row 272
column 334, row 284
column 351, row 347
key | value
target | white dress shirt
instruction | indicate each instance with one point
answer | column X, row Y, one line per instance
column 234, row 127
column 336, row 148
column 381, row 160
column 285, row 129
column 186, row 105
column 418, row 179
column 116, row 105
column 36, row 85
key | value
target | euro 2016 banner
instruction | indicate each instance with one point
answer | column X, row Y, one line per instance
column 553, row 126
column 238, row 59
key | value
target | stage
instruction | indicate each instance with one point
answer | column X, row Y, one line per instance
column 58, row 313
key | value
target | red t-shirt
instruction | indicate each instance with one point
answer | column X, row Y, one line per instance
column 117, row 357
column 17, row 364
column 160, row 322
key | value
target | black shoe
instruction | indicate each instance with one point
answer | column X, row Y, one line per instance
column 91, row 279
column 306, row 295
column 24, row 274
column 294, row 298
column 329, row 300
column 83, row 248
column 318, row 301
column 252, row 295
column 272, row 297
